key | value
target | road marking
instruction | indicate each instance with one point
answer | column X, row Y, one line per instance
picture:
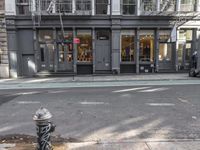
column 28, row 102
column 132, row 89
column 160, row 104
column 183, row 100
column 154, row 90
column 28, row 93
column 93, row 103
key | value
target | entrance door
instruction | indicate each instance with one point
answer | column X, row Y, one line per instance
column 166, row 56
column 65, row 61
column 184, row 55
column 46, row 57
column 102, row 51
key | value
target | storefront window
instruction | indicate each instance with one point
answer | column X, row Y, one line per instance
column 65, row 46
column 167, row 5
column 103, row 7
column 188, row 48
column 165, row 52
column 165, row 47
column 127, row 47
column 129, row 7
column 148, row 5
column 83, row 5
column 85, row 46
column 187, row 5
column 45, row 35
column 146, row 46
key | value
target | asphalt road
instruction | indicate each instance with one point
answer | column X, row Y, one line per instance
column 123, row 113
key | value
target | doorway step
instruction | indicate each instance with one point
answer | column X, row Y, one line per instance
column 54, row 74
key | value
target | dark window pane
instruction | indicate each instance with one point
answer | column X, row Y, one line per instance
column 42, row 54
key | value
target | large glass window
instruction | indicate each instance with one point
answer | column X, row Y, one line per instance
column 85, row 46
column 184, row 48
column 165, row 47
column 23, row 7
column 146, row 46
column 129, row 7
column 66, row 48
column 148, row 5
column 83, row 5
column 166, row 5
column 187, row 5
column 103, row 7
column 127, row 46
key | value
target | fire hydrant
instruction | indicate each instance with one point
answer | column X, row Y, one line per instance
column 44, row 127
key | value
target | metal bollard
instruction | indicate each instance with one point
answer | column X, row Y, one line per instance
column 43, row 127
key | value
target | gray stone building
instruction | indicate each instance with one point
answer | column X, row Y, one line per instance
column 4, row 66
column 101, row 36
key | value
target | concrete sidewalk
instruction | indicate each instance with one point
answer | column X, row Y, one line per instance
column 92, row 78
column 148, row 145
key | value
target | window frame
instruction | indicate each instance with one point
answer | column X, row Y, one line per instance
column 108, row 6
column 128, row 33
column 134, row 4
column 24, row 5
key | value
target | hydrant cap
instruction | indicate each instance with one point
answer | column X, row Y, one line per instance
column 42, row 114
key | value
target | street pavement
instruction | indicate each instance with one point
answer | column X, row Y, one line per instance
column 157, row 143
column 99, row 81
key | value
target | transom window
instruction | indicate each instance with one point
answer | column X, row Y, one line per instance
column 128, row 7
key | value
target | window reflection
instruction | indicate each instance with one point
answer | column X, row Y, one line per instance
column 127, row 47
column 146, row 46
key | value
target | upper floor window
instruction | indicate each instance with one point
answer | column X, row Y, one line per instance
column 148, row 5
column 103, row 7
column 167, row 5
column 23, row 7
column 129, row 7
column 83, row 5
column 2, row 5
column 64, row 6
column 187, row 5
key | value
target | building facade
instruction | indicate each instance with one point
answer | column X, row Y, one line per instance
column 4, row 65
column 101, row 36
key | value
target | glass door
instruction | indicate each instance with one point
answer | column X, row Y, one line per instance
column 65, row 54
column 184, row 55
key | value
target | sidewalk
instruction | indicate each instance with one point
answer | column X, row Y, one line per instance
column 92, row 78
column 149, row 145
